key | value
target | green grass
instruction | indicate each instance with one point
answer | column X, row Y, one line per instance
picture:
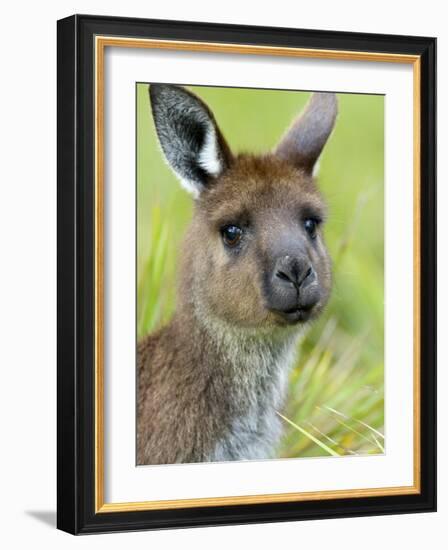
column 336, row 394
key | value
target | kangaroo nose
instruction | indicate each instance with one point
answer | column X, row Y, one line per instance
column 294, row 271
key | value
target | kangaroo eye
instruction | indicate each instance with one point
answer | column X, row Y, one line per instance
column 310, row 225
column 231, row 235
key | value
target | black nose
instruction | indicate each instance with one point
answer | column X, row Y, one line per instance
column 294, row 271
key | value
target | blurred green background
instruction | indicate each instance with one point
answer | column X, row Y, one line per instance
column 336, row 394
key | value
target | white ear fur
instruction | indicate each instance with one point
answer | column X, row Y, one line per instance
column 209, row 156
column 209, row 161
column 316, row 167
column 189, row 186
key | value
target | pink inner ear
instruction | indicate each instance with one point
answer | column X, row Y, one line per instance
column 305, row 139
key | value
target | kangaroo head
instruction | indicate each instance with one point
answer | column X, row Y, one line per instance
column 254, row 254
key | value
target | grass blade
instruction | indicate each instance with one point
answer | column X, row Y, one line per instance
column 310, row 436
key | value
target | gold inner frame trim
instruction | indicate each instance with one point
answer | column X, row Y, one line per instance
column 101, row 42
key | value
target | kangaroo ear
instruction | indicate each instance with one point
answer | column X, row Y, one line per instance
column 189, row 136
column 304, row 141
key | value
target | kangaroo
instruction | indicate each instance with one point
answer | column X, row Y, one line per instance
column 254, row 269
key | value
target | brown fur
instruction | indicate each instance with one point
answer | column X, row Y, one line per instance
column 210, row 381
column 184, row 380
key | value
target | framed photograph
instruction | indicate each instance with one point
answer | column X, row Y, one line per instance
column 246, row 274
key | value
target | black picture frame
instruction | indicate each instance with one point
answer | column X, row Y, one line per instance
column 76, row 254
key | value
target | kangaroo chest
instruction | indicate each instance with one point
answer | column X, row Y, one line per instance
column 258, row 392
